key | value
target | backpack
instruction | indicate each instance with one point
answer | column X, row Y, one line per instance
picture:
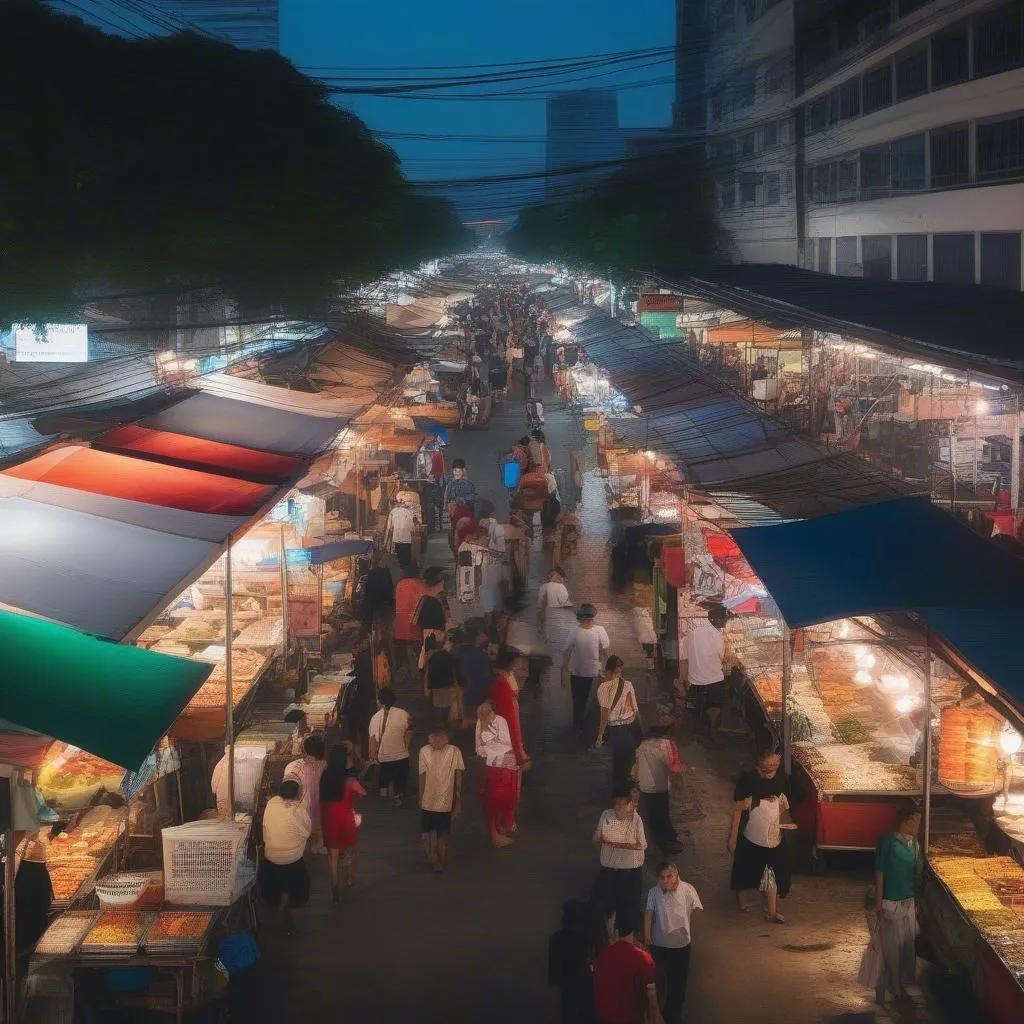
column 511, row 472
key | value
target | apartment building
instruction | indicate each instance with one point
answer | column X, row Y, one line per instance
column 583, row 139
column 751, row 138
column 912, row 138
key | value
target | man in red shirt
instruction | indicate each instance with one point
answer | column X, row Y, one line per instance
column 408, row 636
column 625, row 990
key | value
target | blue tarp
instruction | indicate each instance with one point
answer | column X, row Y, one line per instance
column 899, row 556
column 321, row 554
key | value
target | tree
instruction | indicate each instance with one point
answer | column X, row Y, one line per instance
column 182, row 161
column 654, row 213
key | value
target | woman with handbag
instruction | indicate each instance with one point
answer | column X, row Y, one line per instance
column 440, row 685
column 620, row 722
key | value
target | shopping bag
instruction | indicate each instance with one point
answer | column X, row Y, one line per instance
column 871, row 967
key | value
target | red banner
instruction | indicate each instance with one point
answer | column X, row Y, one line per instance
column 658, row 302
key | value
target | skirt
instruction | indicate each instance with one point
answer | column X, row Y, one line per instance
column 500, row 796
column 277, row 880
column 751, row 861
column 339, row 825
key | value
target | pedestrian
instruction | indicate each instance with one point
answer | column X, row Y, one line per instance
column 431, row 616
column 460, row 489
column 339, row 790
column 620, row 721
column 500, row 783
column 586, row 654
column 521, row 452
column 705, row 657
column 440, row 685
column 378, row 607
column 555, row 616
column 306, row 771
column 668, row 934
column 540, row 457
column 760, row 859
column 657, row 763
column 408, row 636
column 622, row 841
column 897, row 871
column 284, row 879
column 357, row 701
column 390, row 735
column 473, row 667
column 441, row 768
column 492, row 539
column 625, row 979
column 571, row 955
column 504, row 694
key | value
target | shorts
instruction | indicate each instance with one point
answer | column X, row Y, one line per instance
column 710, row 695
column 436, row 821
column 394, row 773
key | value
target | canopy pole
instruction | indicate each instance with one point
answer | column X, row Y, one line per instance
column 787, row 686
column 284, row 595
column 359, row 526
column 10, row 946
column 1015, row 458
column 952, row 470
column 926, row 768
column 229, row 699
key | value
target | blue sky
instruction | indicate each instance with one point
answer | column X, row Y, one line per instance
column 419, row 33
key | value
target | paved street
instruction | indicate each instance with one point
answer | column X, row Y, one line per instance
column 471, row 945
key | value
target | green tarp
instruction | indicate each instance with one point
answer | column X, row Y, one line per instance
column 111, row 700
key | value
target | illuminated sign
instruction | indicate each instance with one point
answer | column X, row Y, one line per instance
column 659, row 302
column 51, row 343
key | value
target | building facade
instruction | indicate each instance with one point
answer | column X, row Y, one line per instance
column 582, row 132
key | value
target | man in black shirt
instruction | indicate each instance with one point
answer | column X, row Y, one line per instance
column 440, row 686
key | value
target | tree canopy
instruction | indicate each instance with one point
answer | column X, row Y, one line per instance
column 654, row 213
column 182, row 161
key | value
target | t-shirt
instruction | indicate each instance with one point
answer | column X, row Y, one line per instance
column 586, row 651
column 670, row 927
column 440, row 767
column 392, row 743
column 763, row 823
column 440, row 670
column 474, row 672
column 703, row 652
column 622, row 973
column 897, row 862
column 286, row 828
column 654, row 760
column 622, row 712
column 407, row 597
column 431, row 613
column 621, row 830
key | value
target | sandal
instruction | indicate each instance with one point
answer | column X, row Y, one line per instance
column 777, row 919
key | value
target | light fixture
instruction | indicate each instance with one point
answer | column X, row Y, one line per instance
column 1010, row 741
column 905, row 704
column 895, row 684
column 864, row 658
column 981, row 408
column 844, row 629
column 862, row 677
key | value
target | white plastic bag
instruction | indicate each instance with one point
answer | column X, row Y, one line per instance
column 871, row 966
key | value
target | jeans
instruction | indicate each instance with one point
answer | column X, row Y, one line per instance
column 654, row 809
column 623, row 740
column 580, row 686
column 673, row 966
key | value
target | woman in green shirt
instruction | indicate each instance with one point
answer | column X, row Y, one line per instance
column 897, row 864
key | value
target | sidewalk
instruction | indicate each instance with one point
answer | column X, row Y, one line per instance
column 471, row 944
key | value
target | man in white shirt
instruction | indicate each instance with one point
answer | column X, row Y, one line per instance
column 584, row 658
column 284, row 879
column 623, row 842
column 390, row 734
column 667, row 933
column 705, row 659
column 441, row 770
column 248, row 773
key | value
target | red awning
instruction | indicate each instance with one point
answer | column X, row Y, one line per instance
column 120, row 476
column 200, row 453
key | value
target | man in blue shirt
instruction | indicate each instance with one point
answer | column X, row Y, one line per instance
column 473, row 670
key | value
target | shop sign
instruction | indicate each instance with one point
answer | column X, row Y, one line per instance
column 659, row 302
column 304, row 616
column 51, row 343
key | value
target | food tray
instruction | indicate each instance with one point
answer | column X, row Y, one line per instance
column 178, row 931
column 69, row 876
column 117, row 933
column 65, row 933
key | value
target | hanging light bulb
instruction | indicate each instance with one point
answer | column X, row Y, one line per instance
column 862, row 677
column 905, row 704
column 844, row 629
column 1010, row 741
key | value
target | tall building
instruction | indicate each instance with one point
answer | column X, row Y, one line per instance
column 582, row 131
column 247, row 24
column 913, row 138
column 689, row 109
column 751, row 141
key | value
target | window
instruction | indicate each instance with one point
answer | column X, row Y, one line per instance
column 748, row 144
column 749, row 181
column 776, row 77
column 814, row 116
column 727, row 192
column 908, row 173
column 953, row 259
column 1000, row 149
column 877, row 257
column 848, row 179
column 874, row 172
column 999, row 40
column 770, row 135
column 848, row 96
column 911, row 257
column 950, row 56
column 824, row 255
column 772, row 188
column 846, row 257
column 787, row 184
column 722, row 153
column 744, row 89
column 1000, row 259
column 911, row 73
column 824, row 182
column 951, row 158
column 878, row 88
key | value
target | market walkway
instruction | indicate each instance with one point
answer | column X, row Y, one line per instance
column 471, row 944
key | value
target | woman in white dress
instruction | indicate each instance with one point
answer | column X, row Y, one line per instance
column 555, row 616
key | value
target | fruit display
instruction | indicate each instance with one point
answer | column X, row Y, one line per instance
column 70, row 778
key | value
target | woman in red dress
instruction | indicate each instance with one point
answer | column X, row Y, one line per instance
column 339, row 790
column 499, row 791
column 504, row 694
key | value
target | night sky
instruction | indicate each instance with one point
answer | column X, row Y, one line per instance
column 385, row 34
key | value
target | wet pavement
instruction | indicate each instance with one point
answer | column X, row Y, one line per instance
column 471, row 944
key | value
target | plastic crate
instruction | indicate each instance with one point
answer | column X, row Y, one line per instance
column 201, row 862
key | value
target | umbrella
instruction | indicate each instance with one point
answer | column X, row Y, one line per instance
column 431, row 427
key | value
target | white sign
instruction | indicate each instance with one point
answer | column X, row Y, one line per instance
column 51, row 343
